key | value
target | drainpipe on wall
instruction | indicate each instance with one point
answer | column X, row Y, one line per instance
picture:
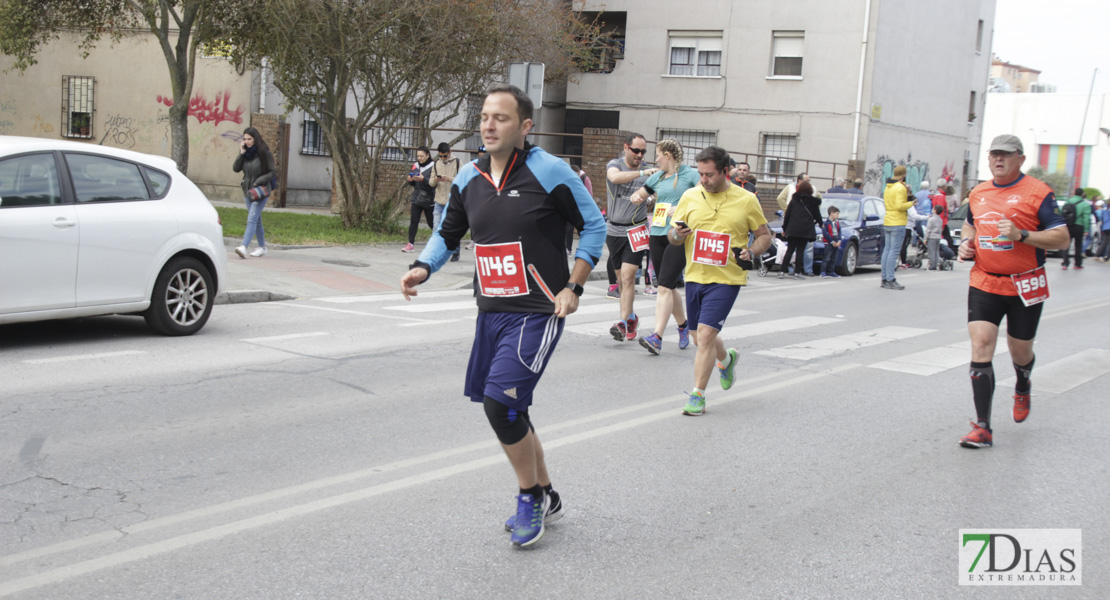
column 262, row 92
column 859, row 88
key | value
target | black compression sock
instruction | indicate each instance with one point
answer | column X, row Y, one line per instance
column 982, row 387
column 536, row 491
column 1023, row 372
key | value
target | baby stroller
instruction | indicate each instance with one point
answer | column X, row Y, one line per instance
column 946, row 256
column 773, row 255
column 917, row 252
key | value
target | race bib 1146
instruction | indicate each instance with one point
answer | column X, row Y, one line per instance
column 501, row 269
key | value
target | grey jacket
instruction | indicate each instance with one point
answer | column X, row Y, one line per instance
column 252, row 171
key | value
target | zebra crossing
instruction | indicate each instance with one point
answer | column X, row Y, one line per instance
column 596, row 313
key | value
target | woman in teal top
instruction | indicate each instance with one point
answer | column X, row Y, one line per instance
column 667, row 186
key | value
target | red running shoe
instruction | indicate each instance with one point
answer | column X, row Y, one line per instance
column 978, row 438
column 633, row 324
column 1022, row 404
column 619, row 331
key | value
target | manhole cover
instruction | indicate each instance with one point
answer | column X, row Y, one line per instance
column 347, row 263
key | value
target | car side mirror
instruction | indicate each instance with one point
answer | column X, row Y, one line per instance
column 778, row 213
column 871, row 218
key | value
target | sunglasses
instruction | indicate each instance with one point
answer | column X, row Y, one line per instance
column 638, row 150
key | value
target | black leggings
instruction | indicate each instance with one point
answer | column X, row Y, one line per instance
column 414, row 221
column 795, row 246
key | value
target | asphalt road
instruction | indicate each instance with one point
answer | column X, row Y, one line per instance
column 321, row 448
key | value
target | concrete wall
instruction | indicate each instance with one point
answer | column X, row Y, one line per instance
column 132, row 85
column 922, row 78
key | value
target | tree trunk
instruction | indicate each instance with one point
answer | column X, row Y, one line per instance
column 179, row 134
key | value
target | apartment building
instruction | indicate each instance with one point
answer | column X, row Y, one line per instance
column 866, row 84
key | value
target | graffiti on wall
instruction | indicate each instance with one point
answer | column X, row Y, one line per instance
column 6, row 125
column 916, row 172
column 119, row 131
column 39, row 126
column 215, row 111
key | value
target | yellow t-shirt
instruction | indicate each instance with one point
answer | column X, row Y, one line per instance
column 734, row 212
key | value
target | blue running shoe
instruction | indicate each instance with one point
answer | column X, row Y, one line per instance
column 554, row 511
column 683, row 337
column 528, row 528
column 727, row 374
column 653, row 343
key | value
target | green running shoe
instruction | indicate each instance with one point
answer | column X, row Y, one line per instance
column 695, row 406
column 727, row 374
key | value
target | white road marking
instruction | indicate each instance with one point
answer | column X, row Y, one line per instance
column 737, row 331
column 58, row 359
column 934, row 360
column 392, row 296
column 1068, row 372
column 844, row 343
column 284, row 305
column 423, row 323
column 278, row 338
column 417, row 307
column 93, row 565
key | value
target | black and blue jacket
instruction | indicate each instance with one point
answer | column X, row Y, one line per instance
column 537, row 196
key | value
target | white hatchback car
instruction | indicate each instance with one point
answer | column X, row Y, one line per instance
column 91, row 230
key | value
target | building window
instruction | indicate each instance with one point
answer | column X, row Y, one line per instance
column 77, row 106
column 312, row 138
column 692, row 141
column 971, row 108
column 778, row 151
column 979, row 37
column 402, row 144
column 695, row 53
column 787, row 49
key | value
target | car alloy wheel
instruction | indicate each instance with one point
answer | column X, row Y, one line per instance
column 182, row 298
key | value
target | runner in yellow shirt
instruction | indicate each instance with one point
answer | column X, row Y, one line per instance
column 713, row 221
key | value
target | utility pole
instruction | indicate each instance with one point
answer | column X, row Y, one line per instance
column 1087, row 108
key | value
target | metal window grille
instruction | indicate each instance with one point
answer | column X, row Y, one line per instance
column 402, row 144
column 787, row 51
column 779, row 151
column 312, row 139
column 78, row 106
column 692, row 141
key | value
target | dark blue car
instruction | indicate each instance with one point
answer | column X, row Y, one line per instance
column 861, row 222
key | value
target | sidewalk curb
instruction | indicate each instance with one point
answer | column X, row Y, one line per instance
column 249, row 296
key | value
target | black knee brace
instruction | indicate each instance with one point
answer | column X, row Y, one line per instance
column 510, row 425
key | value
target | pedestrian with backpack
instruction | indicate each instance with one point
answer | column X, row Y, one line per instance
column 1077, row 214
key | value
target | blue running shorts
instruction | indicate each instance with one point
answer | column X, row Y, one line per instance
column 709, row 304
column 510, row 353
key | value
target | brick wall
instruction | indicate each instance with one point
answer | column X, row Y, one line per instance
column 392, row 186
column 272, row 129
column 599, row 146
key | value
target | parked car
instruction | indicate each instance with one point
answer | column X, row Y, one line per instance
column 861, row 221
column 91, row 230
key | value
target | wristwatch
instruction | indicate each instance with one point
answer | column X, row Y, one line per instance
column 1024, row 234
column 574, row 287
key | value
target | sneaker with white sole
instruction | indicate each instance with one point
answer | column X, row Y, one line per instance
column 554, row 511
column 408, row 248
column 260, row 251
column 241, row 251
column 528, row 527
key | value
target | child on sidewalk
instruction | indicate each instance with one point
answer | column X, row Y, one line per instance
column 934, row 230
column 832, row 235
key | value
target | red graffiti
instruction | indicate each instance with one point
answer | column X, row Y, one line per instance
column 947, row 173
column 214, row 111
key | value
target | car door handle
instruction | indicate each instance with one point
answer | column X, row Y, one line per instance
column 63, row 223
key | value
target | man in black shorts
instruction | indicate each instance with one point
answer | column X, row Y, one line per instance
column 1011, row 221
column 628, row 225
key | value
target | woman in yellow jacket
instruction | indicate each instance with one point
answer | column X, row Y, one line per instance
column 898, row 200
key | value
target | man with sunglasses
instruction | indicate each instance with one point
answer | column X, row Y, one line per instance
column 627, row 221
